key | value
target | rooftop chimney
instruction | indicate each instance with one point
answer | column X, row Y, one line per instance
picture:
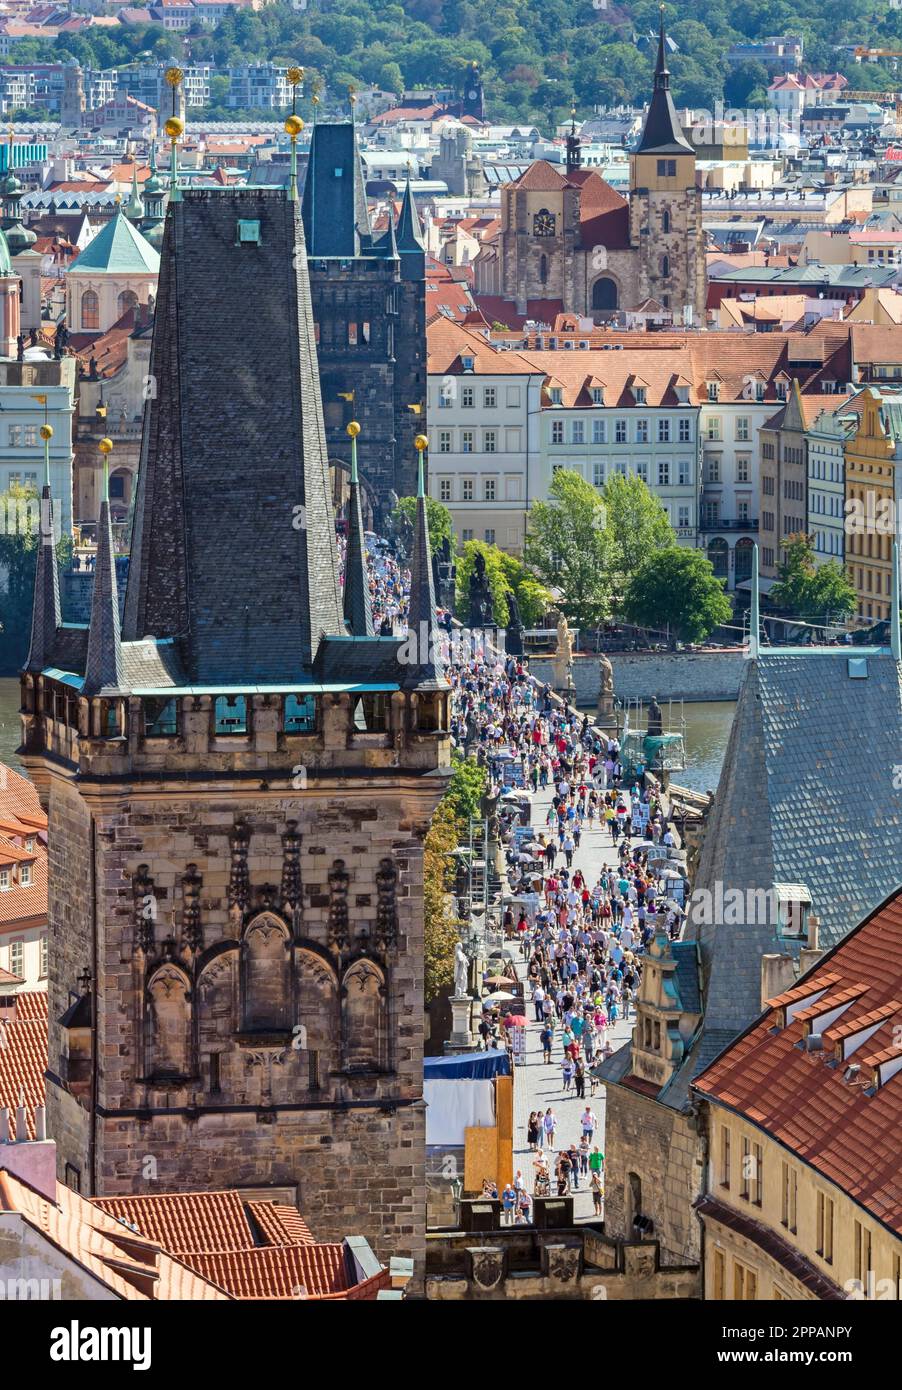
column 32, row 1161
column 777, row 976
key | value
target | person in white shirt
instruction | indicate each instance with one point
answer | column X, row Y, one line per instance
column 589, row 1122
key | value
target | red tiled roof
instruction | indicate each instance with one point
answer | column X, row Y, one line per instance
column 185, row 1222
column 23, row 1058
column 846, row 1129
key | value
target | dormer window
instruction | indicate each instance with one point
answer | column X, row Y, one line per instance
column 781, row 390
column 467, row 363
column 29, row 845
column 793, row 906
column 640, row 393
column 713, row 390
column 682, row 394
column 556, row 395
column 4, row 880
column 25, row 875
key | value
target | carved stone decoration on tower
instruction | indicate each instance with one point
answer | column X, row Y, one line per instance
column 387, row 908
column 292, row 887
column 145, row 909
column 338, row 906
column 239, row 878
column 192, row 932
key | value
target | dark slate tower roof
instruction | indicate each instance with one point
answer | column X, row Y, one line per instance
column 426, row 671
column 358, row 608
column 104, row 674
column 662, row 133
column 233, row 550
column 336, row 220
column 409, row 233
column 46, row 615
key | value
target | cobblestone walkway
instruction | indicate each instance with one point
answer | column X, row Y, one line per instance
column 537, row 1084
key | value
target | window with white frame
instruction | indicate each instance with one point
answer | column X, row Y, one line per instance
column 712, row 468
column 683, row 515
column 619, row 431
column 557, row 431
column 466, row 489
column 640, row 395
column 683, row 472
column 743, row 428
column 17, row 957
column 467, row 441
column 642, row 469
column 712, row 428
column 466, row 535
column 43, row 957
column 489, row 441
column 713, row 390
column 444, row 441
column 598, row 473
column 577, row 432
column 15, row 436
column 490, row 398
column 31, row 436
column 664, row 431
column 599, row 431
column 663, row 472
column 641, row 431
column 488, row 490
column 598, row 395
column 25, row 876
column 467, row 397
column 685, row 430
column 444, row 489
column 743, row 468
column 556, row 395
column 4, row 879
column 490, row 535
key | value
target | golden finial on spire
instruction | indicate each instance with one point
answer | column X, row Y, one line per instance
column 353, row 429
column 174, row 77
column 294, row 77
column 420, row 443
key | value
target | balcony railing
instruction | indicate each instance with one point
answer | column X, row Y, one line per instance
column 750, row 524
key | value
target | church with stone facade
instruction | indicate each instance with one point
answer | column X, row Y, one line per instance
column 569, row 239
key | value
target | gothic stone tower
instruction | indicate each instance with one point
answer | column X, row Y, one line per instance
column 238, row 786
column 369, row 306
column 665, row 207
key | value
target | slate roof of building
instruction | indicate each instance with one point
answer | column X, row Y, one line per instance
column 118, row 249
column 23, row 1057
column 336, row 220
column 833, row 1120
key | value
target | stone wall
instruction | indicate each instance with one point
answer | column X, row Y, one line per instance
column 669, row 676
column 76, row 587
column 662, row 1148
column 577, row 1263
column 296, row 1106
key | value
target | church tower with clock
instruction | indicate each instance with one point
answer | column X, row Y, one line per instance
column 570, row 243
column 239, row 776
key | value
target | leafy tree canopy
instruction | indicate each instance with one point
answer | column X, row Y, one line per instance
column 811, row 592
column 570, row 548
column 677, row 589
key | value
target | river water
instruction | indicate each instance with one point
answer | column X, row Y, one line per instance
column 10, row 731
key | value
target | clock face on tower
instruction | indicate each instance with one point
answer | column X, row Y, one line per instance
column 471, row 96
column 543, row 223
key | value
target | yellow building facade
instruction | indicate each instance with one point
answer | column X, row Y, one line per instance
column 766, row 1208
column 871, row 484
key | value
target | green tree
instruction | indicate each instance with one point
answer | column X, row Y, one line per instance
column 677, row 589
column 638, row 525
column 570, row 549
column 448, row 829
column 811, row 592
column 437, row 516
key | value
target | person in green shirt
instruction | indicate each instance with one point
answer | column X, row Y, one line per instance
column 596, row 1160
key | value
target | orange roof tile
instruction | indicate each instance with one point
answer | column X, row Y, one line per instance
column 23, row 1057
column 837, row 1118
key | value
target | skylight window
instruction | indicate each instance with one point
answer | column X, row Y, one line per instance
column 248, row 232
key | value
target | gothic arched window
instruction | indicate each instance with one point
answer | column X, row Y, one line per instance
column 364, row 1032
column 665, row 221
column 127, row 300
column 266, row 982
column 665, row 267
column 169, row 1023
column 90, row 310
